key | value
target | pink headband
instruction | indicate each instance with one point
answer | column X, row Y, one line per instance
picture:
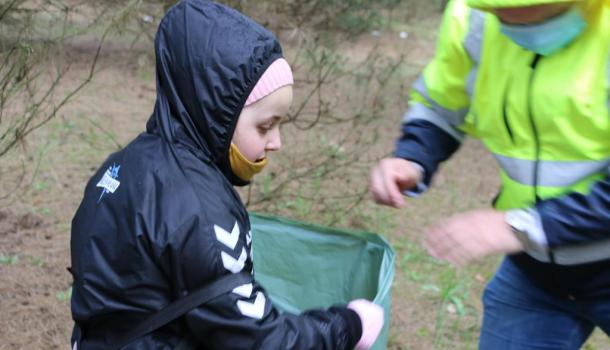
column 277, row 75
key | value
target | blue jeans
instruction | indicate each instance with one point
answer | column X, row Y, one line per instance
column 519, row 315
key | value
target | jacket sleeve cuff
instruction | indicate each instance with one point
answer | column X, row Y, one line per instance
column 354, row 325
column 426, row 144
column 421, row 186
column 527, row 222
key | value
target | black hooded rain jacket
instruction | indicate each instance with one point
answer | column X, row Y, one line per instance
column 160, row 218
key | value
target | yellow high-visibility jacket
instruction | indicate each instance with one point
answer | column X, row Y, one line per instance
column 545, row 119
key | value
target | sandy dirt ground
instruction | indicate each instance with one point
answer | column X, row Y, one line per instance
column 111, row 110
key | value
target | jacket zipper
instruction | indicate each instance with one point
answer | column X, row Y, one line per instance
column 533, row 65
column 530, row 113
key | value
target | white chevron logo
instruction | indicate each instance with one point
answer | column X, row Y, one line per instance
column 254, row 310
column 226, row 238
column 232, row 264
column 244, row 290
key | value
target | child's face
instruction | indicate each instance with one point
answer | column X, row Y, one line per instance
column 257, row 131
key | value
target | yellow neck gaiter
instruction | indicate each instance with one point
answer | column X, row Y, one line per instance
column 242, row 167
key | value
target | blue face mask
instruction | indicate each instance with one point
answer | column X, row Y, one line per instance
column 549, row 36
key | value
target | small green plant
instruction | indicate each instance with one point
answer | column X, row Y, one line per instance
column 64, row 295
column 42, row 185
column 453, row 292
column 9, row 259
column 411, row 262
column 36, row 261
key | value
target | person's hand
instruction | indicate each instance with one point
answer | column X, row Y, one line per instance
column 390, row 177
column 371, row 316
column 470, row 236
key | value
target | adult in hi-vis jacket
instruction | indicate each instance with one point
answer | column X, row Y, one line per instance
column 530, row 79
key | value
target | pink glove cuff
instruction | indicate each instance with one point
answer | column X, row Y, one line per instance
column 371, row 317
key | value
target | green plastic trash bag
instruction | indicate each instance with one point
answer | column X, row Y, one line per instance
column 305, row 266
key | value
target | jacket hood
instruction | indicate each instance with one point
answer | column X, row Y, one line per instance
column 208, row 59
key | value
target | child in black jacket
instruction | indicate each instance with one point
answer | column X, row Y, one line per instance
column 161, row 218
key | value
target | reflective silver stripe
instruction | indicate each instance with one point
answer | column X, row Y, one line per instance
column 454, row 118
column 419, row 111
column 472, row 80
column 583, row 253
column 473, row 44
column 474, row 38
column 444, row 118
column 578, row 254
column 550, row 173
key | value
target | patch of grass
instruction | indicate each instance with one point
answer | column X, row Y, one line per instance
column 450, row 291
